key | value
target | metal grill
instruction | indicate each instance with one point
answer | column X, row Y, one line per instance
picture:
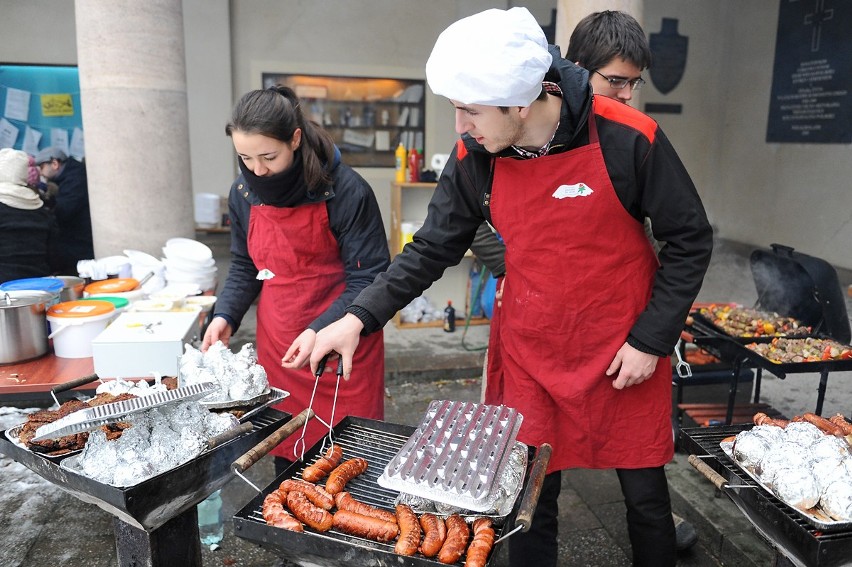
column 787, row 529
column 373, row 440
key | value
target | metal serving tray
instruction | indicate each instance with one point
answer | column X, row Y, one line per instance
column 92, row 418
column 457, row 454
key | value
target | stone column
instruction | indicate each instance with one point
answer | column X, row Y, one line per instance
column 135, row 121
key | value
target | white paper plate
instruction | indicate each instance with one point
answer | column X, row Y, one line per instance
column 187, row 248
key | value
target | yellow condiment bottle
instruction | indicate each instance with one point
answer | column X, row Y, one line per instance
column 401, row 163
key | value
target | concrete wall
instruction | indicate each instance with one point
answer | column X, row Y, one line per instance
column 755, row 193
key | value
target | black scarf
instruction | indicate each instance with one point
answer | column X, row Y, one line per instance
column 285, row 189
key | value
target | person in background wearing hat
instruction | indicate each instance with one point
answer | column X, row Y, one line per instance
column 28, row 232
column 589, row 314
column 613, row 48
column 71, row 206
column 307, row 236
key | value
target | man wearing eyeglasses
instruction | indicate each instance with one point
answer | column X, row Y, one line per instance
column 613, row 48
column 589, row 314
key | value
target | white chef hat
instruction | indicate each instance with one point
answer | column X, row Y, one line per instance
column 495, row 58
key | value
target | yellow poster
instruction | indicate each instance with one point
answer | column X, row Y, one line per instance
column 57, row 105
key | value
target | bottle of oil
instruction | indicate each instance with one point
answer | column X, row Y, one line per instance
column 401, row 163
column 449, row 318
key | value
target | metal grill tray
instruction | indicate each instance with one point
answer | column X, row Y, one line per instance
column 226, row 404
column 814, row 516
column 457, row 454
column 92, row 418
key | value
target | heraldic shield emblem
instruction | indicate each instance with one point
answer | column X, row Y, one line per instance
column 668, row 56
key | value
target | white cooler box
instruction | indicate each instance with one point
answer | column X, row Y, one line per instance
column 139, row 343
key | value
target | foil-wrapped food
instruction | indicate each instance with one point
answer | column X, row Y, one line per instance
column 801, row 464
column 238, row 375
column 507, row 490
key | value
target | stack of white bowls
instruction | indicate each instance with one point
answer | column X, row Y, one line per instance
column 188, row 261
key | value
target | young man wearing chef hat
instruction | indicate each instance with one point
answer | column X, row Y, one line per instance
column 588, row 314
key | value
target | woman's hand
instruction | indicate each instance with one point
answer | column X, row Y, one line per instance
column 217, row 330
column 300, row 351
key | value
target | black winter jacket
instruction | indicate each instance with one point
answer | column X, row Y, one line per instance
column 72, row 215
column 355, row 220
column 648, row 177
column 28, row 240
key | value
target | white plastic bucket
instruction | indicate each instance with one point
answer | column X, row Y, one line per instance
column 74, row 324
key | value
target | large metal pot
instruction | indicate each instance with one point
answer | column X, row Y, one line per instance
column 72, row 288
column 23, row 325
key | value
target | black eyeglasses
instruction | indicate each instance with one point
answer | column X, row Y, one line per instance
column 619, row 83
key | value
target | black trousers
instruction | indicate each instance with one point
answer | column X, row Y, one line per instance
column 649, row 521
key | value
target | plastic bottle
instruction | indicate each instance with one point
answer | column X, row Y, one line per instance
column 401, row 158
column 413, row 166
column 210, row 525
column 449, row 318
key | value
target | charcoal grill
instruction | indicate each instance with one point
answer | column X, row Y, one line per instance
column 155, row 521
column 378, row 442
column 793, row 537
column 792, row 284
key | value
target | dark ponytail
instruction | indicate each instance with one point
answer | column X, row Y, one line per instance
column 276, row 112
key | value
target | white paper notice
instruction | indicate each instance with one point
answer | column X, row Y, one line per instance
column 17, row 104
column 31, row 139
column 78, row 148
column 59, row 139
column 382, row 140
column 8, row 134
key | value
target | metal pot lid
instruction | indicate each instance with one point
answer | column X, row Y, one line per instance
column 13, row 299
column 53, row 285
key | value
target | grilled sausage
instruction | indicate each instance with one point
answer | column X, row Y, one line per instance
column 316, row 494
column 409, row 530
column 761, row 418
column 345, row 501
column 457, row 536
column 324, row 465
column 275, row 515
column 480, row 547
column 434, row 532
column 360, row 525
column 308, row 513
column 840, row 421
column 343, row 473
column 825, row 425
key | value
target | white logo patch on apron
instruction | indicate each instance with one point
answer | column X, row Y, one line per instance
column 576, row 190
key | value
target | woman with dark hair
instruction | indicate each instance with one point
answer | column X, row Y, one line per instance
column 307, row 236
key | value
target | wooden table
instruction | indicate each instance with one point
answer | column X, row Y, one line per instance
column 34, row 379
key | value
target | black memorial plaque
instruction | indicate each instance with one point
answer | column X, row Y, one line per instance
column 810, row 100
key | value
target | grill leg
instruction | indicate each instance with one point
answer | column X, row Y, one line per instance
column 174, row 543
column 823, row 382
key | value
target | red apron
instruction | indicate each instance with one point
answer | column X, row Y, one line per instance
column 297, row 245
column 579, row 271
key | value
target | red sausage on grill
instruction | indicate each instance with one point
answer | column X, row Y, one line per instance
column 308, row 513
column 324, row 465
column 275, row 515
column 344, row 473
column 434, row 532
column 840, row 421
column 480, row 547
column 360, row 525
column 825, row 425
column 409, row 530
column 454, row 546
column 315, row 494
column 345, row 501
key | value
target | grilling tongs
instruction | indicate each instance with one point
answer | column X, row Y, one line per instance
column 299, row 445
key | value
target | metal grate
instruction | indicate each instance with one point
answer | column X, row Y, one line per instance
column 457, row 454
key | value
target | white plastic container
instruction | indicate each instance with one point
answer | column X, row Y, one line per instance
column 75, row 324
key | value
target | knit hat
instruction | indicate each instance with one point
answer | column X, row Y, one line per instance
column 495, row 58
column 14, row 166
column 50, row 153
